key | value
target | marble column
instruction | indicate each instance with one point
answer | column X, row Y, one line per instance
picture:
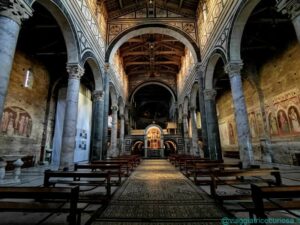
column 70, row 122
column 243, row 131
column 11, row 15
column 114, row 151
column 213, row 135
column 105, row 113
column 195, row 146
column 122, row 132
column 292, row 9
column 186, row 133
column 98, row 110
column 202, row 112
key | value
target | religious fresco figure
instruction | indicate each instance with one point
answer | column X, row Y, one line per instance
column 283, row 122
column 273, row 124
column 16, row 121
column 252, row 122
column 231, row 134
column 294, row 119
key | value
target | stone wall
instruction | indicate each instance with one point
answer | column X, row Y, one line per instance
column 23, row 118
column 279, row 80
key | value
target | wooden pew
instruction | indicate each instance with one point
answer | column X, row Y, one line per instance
column 278, row 198
column 113, row 169
column 82, row 179
column 125, row 164
column 190, row 164
column 203, row 169
column 234, row 177
column 41, row 199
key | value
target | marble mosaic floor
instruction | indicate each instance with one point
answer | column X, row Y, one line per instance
column 157, row 193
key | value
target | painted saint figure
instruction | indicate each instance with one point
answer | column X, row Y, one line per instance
column 294, row 119
column 283, row 122
column 273, row 124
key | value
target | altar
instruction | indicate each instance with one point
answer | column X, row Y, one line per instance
column 154, row 143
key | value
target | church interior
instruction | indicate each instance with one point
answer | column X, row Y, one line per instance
column 143, row 112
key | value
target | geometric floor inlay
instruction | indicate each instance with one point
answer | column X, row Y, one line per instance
column 156, row 193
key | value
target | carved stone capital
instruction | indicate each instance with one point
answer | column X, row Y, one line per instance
column 17, row 10
column 75, row 71
column 233, row 68
column 290, row 7
column 210, row 94
column 98, row 95
column 192, row 108
column 114, row 108
column 106, row 67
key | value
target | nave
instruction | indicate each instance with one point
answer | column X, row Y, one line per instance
column 157, row 193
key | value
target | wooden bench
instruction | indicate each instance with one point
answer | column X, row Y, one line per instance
column 233, row 178
column 204, row 169
column 125, row 164
column 232, row 154
column 113, row 169
column 189, row 165
column 41, row 199
column 278, row 198
column 82, row 179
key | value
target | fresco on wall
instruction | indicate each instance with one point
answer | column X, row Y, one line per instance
column 283, row 123
column 16, row 122
column 231, row 133
column 252, row 124
column 273, row 124
column 283, row 114
column 294, row 119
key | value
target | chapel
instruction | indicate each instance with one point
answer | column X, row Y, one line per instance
column 176, row 94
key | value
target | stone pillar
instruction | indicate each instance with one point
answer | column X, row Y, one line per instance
column 122, row 132
column 12, row 12
column 186, row 133
column 105, row 112
column 213, row 137
column 243, row 131
column 292, row 8
column 195, row 146
column 97, row 136
column 70, row 122
column 202, row 111
column 114, row 151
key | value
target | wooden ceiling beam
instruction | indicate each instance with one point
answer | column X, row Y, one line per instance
column 156, row 63
column 178, row 53
column 121, row 4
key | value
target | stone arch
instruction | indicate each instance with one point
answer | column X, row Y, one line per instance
column 149, row 83
column 121, row 105
column 60, row 13
column 180, row 112
column 193, row 97
column 152, row 29
column 237, row 29
column 185, row 106
column 210, row 67
column 113, row 95
column 90, row 58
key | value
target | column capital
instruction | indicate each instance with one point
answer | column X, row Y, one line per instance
column 192, row 108
column 106, row 67
column 291, row 8
column 114, row 108
column 98, row 95
column 184, row 115
column 233, row 68
column 75, row 71
column 17, row 10
column 210, row 94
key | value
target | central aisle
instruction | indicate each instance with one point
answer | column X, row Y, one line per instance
column 156, row 193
